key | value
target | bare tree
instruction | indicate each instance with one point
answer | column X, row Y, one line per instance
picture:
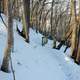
column 77, row 60
column 26, row 13
column 8, row 49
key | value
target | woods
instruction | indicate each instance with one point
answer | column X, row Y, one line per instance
column 56, row 20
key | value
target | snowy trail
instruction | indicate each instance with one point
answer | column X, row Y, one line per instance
column 30, row 61
column 34, row 62
column 51, row 62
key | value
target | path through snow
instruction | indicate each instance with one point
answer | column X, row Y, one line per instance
column 34, row 62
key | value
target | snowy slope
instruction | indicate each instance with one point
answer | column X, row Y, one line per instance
column 34, row 62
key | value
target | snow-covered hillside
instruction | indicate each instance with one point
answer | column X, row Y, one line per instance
column 34, row 62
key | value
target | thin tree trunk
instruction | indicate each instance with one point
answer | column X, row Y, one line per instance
column 5, row 3
column 52, row 30
column 74, row 30
column 77, row 60
column 16, row 9
column 78, row 33
column 7, row 53
column 26, row 4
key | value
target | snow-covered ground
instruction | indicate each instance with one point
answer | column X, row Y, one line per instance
column 34, row 62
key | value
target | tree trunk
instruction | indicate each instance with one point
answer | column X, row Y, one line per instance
column 53, row 30
column 77, row 60
column 16, row 9
column 78, row 33
column 74, row 30
column 1, row 6
column 7, row 53
column 26, row 4
column 5, row 3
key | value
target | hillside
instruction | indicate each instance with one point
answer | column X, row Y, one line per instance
column 34, row 62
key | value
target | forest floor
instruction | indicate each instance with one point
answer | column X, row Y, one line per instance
column 34, row 62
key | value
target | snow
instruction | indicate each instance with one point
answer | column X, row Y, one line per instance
column 34, row 62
